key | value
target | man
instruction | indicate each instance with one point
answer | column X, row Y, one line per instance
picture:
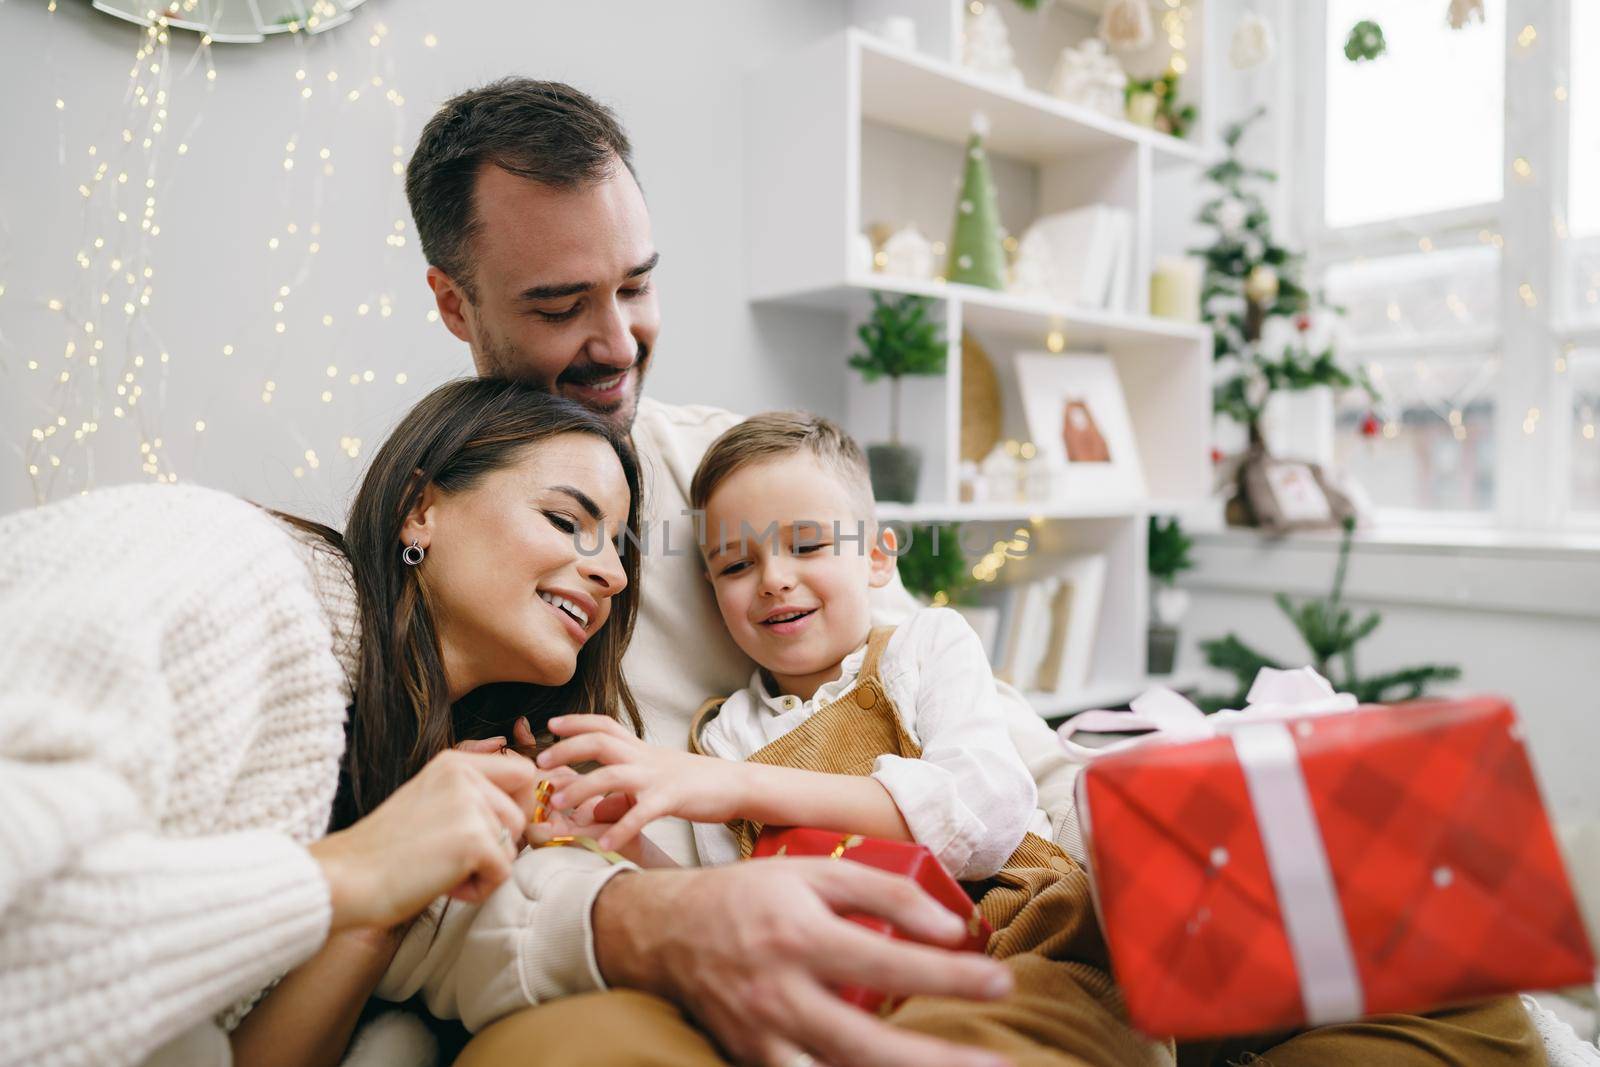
column 541, row 259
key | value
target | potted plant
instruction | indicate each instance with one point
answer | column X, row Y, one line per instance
column 900, row 339
column 1168, row 557
column 932, row 566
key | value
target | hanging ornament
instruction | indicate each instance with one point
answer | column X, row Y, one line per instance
column 1463, row 12
column 1261, row 286
column 1253, row 42
column 1365, row 42
column 1370, row 426
column 1126, row 25
column 977, row 256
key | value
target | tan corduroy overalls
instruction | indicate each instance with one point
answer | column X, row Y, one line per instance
column 1065, row 1008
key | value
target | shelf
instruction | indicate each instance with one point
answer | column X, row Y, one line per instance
column 1009, row 313
column 1197, row 512
column 1107, row 694
column 1006, row 511
column 936, row 99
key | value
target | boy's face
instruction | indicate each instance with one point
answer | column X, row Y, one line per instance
column 793, row 588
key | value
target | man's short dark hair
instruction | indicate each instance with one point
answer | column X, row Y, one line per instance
column 543, row 131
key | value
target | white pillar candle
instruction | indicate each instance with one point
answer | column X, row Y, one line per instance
column 1175, row 288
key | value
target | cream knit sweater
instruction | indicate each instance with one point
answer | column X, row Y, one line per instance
column 173, row 685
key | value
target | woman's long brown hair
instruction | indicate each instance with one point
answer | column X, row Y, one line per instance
column 402, row 716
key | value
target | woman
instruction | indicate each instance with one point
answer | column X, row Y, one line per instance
column 226, row 735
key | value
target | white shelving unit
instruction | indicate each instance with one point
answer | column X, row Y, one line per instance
column 851, row 131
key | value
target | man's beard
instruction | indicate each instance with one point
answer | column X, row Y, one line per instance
column 504, row 361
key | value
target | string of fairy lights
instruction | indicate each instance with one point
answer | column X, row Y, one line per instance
column 110, row 367
column 1523, row 172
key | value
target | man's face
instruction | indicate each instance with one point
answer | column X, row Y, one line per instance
column 564, row 291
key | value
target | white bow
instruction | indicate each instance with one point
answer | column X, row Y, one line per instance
column 1275, row 695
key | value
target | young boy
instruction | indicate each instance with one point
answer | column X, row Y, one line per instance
column 890, row 733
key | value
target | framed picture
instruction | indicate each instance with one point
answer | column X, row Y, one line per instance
column 1074, row 618
column 1078, row 419
column 1287, row 494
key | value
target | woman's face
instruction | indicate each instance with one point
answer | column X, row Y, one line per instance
column 521, row 568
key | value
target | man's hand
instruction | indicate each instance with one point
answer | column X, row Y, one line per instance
column 751, row 951
column 659, row 781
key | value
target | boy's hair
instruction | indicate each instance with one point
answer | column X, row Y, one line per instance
column 774, row 435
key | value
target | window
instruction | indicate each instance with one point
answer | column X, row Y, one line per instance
column 1419, row 130
column 1429, row 444
column 1423, row 326
column 1583, row 369
column 1436, row 226
column 1419, row 296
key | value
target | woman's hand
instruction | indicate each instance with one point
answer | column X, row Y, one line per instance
column 659, row 781
column 452, row 829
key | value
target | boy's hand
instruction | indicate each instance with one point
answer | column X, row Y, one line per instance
column 660, row 782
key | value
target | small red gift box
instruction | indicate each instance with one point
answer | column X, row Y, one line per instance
column 899, row 857
column 1296, row 871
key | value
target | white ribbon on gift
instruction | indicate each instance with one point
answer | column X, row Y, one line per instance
column 1275, row 695
column 1330, row 987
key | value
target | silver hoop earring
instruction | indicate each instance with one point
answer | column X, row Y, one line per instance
column 413, row 554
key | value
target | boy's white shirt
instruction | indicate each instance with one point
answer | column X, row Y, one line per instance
column 531, row 941
column 968, row 798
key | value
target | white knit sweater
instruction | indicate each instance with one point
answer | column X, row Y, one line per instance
column 173, row 685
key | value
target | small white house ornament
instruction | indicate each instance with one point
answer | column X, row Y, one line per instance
column 908, row 254
column 1253, row 42
column 1088, row 75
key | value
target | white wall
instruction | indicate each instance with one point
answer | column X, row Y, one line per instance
column 672, row 71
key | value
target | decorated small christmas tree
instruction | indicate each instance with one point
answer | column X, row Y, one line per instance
column 976, row 254
column 1252, row 283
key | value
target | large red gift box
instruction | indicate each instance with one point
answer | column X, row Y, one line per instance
column 1293, row 872
column 914, row 861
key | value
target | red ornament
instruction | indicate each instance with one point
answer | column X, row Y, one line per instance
column 1369, row 425
column 1217, row 456
column 1303, row 323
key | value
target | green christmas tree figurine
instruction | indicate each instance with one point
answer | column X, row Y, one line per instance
column 976, row 254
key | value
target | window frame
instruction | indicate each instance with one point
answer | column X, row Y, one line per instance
column 1533, row 487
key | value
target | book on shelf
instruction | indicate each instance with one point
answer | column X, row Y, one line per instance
column 1045, row 628
column 1082, row 257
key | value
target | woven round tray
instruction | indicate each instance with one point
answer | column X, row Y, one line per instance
column 980, row 401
